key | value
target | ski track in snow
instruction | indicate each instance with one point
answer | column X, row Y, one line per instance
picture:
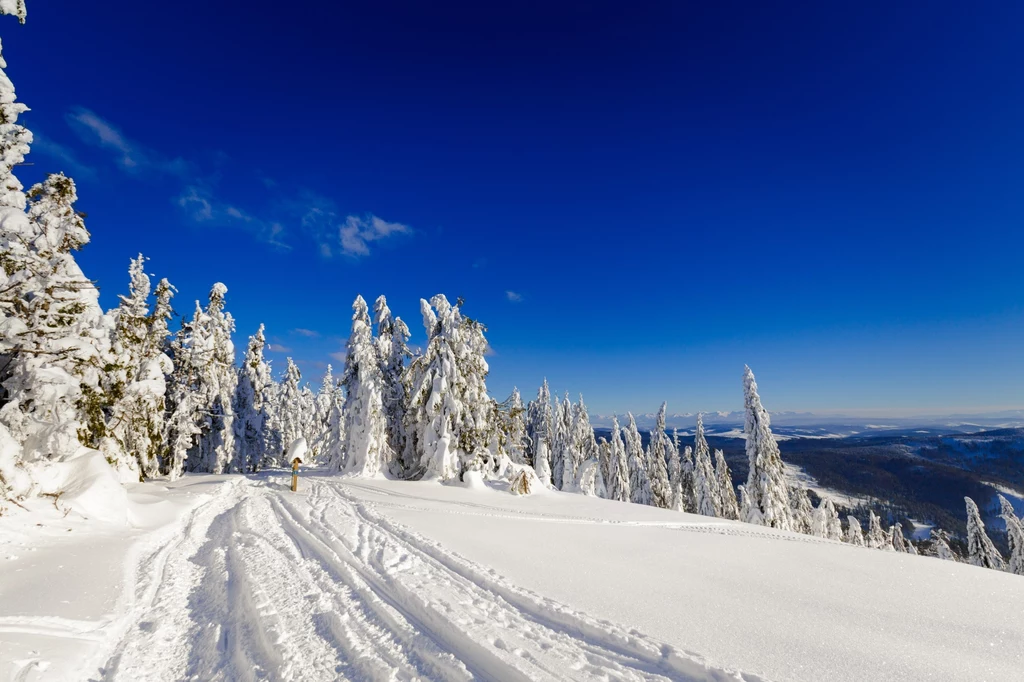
column 265, row 584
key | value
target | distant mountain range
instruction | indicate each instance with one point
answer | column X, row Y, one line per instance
column 811, row 425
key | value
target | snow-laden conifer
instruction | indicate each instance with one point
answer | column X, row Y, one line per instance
column 449, row 417
column 253, row 403
column 639, row 481
column 801, row 510
column 332, row 452
column 366, row 448
column 212, row 354
column 980, row 550
column 393, row 351
column 184, row 404
column 659, row 450
column 584, row 444
column 675, row 472
column 727, row 494
column 876, row 538
column 14, row 138
column 687, row 481
column 940, row 545
column 54, row 338
column 854, row 535
column 563, row 465
column 289, row 408
column 899, row 542
column 767, row 492
column 825, row 521
column 618, row 483
column 538, row 430
column 135, row 377
column 1014, row 537
column 705, row 481
column 516, row 438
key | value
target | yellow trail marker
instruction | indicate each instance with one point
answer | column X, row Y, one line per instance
column 295, row 473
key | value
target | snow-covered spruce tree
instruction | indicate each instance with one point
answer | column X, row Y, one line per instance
column 255, row 386
column 618, row 467
column 309, row 427
column 1014, row 537
column 675, row 472
column 660, row 449
column 584, row 447
column 539, row 424
column 135, row 378
column 825, row 521
column 940, row 545
column 538, row 429
column 515, row 432
column 801, row 510
column 639, row 481
column 604, row 458
column 687, row 480
column 14, row 138
column 209, row 355
column 876, row 538
column 980, row 550
column 563, row 465
column 322, row 407
column 590, row 480
column 727, row 494
column 184, row 405
column 333, row 454
column 367, row 449
column 899, row 542
column 393, row 351
column 854, row 535
column 289, row 410
column 767, row 493
column 705, row 481
column 449, row 411
column 54, row 340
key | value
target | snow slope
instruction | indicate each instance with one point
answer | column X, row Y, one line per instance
column 360, row 579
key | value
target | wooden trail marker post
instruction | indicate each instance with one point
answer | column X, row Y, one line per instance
column 295, row 473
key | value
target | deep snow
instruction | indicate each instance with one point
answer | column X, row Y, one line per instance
column 236, row 578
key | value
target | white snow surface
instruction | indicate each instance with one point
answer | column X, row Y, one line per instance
column 237, row 578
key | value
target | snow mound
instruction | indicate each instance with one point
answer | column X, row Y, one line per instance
column 87, row 485
column 473, row 480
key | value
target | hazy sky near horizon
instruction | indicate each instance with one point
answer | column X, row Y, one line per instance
column 635, row 198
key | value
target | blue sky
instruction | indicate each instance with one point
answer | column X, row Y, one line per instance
column 832, row 194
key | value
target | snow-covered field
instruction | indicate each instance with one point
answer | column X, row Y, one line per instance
column 233, row 578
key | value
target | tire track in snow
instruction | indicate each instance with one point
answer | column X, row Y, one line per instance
column 549, row 640
column 263, row 584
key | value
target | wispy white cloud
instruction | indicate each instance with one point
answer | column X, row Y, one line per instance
column 281, row 214
column 70, row 162
column 308, row 333
column 200, row 204
column 130, row 156
column 340, row 356
column 278, row 348
column 514, row 297
column 196, row 205
column 357, row 233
